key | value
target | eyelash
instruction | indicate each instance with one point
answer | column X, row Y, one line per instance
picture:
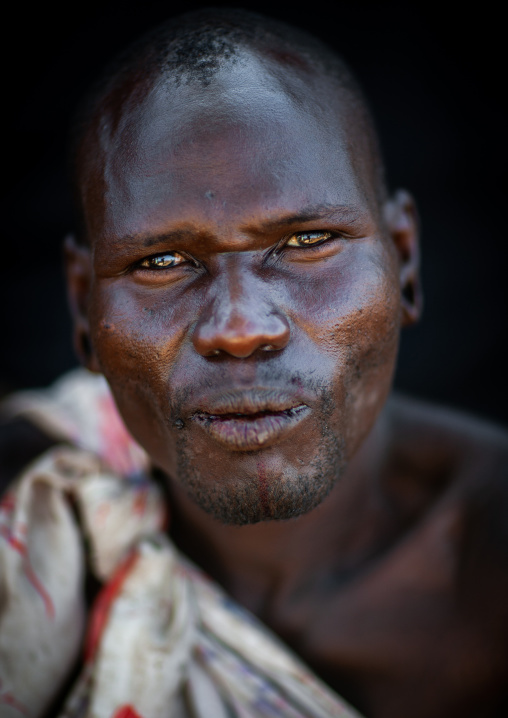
column 284, row 245
column 327, row 235
column 161, row 256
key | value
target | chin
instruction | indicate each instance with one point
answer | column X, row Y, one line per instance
column 271, row 490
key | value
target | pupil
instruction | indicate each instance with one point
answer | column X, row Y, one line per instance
column 162, row 261
column 310, row 237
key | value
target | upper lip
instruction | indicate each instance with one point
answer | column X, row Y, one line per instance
column 250, row 401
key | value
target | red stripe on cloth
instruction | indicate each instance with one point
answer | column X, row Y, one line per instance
column 9, row 700
column 15, row 543
column 20, row 547
column 32, row 577
column 140, row 501
column 126, row 712
column 102, row 607
column 7, row 503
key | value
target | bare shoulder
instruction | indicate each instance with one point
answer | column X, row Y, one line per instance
column 465, row 459
column 459, row 541
column 471, row 447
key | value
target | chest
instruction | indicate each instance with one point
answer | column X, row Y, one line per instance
column 415, row 633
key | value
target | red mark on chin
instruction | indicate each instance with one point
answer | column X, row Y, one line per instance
column 263, row 490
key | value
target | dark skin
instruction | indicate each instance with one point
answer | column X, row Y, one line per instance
column 243, row 293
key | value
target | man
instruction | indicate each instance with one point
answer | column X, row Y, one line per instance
column 240, row 276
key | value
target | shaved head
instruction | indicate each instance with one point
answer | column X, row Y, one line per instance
column 190, row 50
column 236, row 238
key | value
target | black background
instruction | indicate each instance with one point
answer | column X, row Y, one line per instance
column 436, row 81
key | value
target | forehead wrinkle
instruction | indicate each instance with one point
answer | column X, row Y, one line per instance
column 117, row 136
column 95, row 154
column 234, row 91
column 311, row 213
column 191, row 49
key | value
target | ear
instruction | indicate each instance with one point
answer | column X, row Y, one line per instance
column 78, row 270
column 401, row 218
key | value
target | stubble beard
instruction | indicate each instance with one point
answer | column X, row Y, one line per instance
column 286, row 496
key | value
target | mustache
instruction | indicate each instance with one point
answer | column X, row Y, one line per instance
column 248, row 401
column 272, row 391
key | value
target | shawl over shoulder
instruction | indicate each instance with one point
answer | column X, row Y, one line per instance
column 162, row 640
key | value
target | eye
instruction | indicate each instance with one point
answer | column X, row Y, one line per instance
column 306, row 239
column 163, row 261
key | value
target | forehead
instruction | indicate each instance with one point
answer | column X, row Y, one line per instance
column 256, row 139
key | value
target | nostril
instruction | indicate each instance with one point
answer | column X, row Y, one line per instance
column 239, row 331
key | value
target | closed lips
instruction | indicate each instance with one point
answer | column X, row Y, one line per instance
column 252, row 428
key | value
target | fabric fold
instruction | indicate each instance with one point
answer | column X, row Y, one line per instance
column 162, row 639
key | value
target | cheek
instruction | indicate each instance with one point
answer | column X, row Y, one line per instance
column 371, row 357
column 134, row 331
column 136, row 339
column 353, row 316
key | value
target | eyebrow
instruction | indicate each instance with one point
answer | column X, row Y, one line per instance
column 149, row 240
column 314, row 213
column 310, row 213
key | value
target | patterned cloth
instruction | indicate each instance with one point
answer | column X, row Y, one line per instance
column 162, row 640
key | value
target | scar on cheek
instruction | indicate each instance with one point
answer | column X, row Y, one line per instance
column 106, row 325
column 263, row 489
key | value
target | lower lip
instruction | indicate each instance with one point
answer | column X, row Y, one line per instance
column 251, row 432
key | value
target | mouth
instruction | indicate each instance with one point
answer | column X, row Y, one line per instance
column 251, row 421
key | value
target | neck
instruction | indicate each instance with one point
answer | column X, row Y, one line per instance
column 253, row 561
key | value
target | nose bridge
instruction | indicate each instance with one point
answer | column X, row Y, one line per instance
column 239, row 317
column 236, row 282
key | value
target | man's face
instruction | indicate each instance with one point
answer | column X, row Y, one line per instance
column 244, row 303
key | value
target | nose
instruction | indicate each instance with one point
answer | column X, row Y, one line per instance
column 239, row 320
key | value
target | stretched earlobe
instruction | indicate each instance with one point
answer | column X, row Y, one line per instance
column 401, row 218
column 78, row 270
